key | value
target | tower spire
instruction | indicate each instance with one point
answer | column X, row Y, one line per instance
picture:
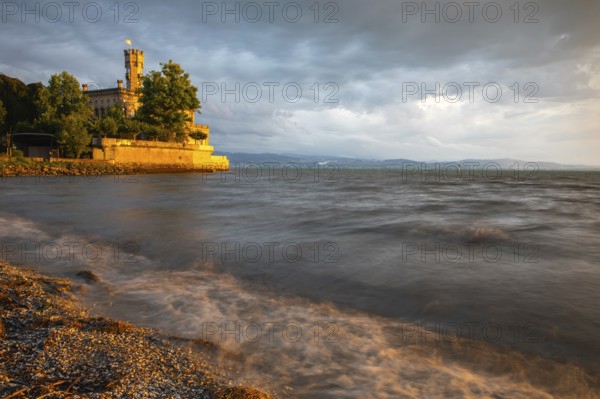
column 134, row 68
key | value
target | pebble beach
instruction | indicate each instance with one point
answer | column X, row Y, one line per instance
column 52, row 347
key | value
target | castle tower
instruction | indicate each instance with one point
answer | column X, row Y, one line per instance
column 134, row 68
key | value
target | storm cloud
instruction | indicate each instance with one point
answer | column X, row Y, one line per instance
column 387, row 79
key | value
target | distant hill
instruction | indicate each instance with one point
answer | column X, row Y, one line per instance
column 504, row 163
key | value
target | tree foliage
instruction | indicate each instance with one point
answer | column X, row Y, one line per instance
column 198, row 135
column 2, row 113
column 115, row 124
column 168, row 102
column 18, row 99
column 66, row 112
column 116, row 112
column 3, row 141
column 73, row 135
column 109, row 126
column 62, row 98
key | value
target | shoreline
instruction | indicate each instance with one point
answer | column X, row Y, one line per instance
column 52, row 346
column 32, row 168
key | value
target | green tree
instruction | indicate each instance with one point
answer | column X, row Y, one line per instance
column 62, row 98
column 2, row 113
column 18, row 99
column 168, row 102
column 24, row 126
column 109, row 126
column 73, row 136
column 3, row 140
column 130, row 129
column 198, row 136
column 66, row 112
column 116, row 112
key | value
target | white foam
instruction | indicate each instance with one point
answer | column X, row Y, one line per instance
column 350, row 355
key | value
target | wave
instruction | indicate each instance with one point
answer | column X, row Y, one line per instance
column 475, row 233
column 314, row 348
column 318, row 349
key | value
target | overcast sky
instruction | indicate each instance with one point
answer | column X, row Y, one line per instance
column 515, row 80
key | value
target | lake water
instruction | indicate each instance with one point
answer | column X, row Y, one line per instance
column 326, row 283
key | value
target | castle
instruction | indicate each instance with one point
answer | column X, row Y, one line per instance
column 127, row 98
column 192, row 153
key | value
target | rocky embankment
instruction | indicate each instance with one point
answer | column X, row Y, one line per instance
column 74, row 168
column 51, row 347
column 31, row 168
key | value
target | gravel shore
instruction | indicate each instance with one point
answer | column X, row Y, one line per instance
column 82, row 168
column 51, row 347
column 32, row 168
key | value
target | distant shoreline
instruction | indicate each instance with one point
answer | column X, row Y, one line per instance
column 50, row 345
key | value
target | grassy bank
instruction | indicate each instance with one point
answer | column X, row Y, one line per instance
column 51, row 347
